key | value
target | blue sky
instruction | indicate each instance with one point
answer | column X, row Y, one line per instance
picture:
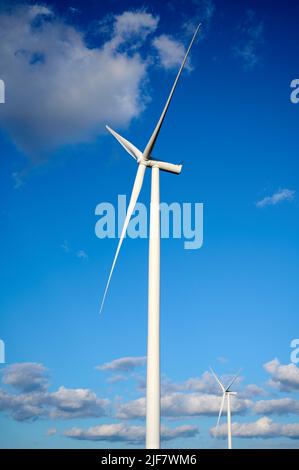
column 69, row 69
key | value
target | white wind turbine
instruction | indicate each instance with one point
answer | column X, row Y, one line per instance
column 226, row 393
column 145, row 160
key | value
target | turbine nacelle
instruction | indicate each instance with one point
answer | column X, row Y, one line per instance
column 141, row 158
column 164, row 166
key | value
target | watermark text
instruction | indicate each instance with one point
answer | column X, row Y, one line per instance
column 2, row 351
column 183, row 221
column 294, row 97
column 295, row 353
column 2, row 91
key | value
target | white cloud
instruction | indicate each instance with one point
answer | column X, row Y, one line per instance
column 25, row 406
column 251, row 391
column 262, row 428
column 132, row 409
column 76, row 403
column 207, row 383
column 276, row 198
column 124, row 364
column 283, row 377
column 134, row 23
column 194, row 404
column 290, row 430
column 182, row 404
column 25, row 376
column 59, row 91
column 170, row 51
column 181, row 431
column 35, row 401
column 120, row 432
column 280, row 406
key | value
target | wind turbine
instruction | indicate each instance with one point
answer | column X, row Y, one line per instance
column 226, row 393
column 145, row 160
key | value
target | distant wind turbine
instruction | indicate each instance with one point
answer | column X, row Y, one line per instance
column 145, row 160
column 226, row 393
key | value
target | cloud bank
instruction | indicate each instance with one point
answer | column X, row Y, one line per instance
column 34, row 400
column 26, row 397
column 120, row 432
column 262, row 428
column 178, row 405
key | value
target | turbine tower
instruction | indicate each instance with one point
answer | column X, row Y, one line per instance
column 226, row 393
column 145, row 160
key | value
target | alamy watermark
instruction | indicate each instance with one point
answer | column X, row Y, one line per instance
column 294, row 96
column 184, row 221
column 2, row 351
column 295, row 353
column 2, row 91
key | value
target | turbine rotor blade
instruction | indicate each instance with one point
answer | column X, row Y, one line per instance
column 218, row 380
column 221, row 409
column 134, row 196
column 150, row 145
column 128, row 146
column 233, row 379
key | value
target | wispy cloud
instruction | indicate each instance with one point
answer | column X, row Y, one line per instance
column 223, row 359
column 51, row 431
column 276, row 198
column 249, row 40
column 204, row 11
column 65, row 246
column 283, row 377
column 18, row 180
column 117, row 378
column 170, row 51
column 124, row 364
column 81, row 254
